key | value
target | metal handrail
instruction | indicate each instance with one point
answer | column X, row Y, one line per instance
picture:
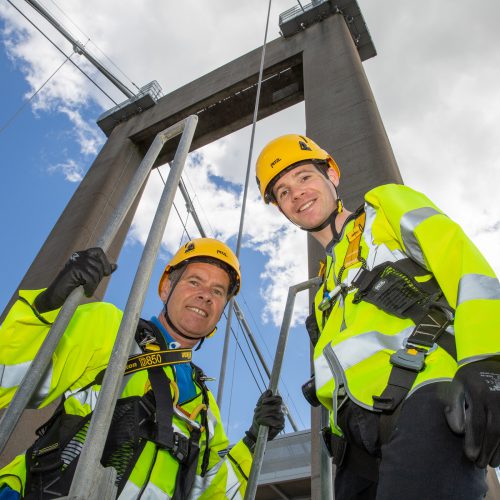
column 297, row 10
column 90, row 477
column 260, row 446
column 41, row 362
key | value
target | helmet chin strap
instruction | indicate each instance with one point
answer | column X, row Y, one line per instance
column 330, row 220
column 173, row 327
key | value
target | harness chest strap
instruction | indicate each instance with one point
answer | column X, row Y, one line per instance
column 351, row 257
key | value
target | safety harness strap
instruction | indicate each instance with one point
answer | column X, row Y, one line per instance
column 52, row 459
column 351, row 257
column 352, row 254
column 185, row 450
column 392, row 287
column 408, row 361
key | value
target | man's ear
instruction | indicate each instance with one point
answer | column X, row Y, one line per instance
column 333, row 176
column 165, row 290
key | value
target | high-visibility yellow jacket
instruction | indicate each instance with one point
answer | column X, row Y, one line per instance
column 357, row 339
column 82, row 354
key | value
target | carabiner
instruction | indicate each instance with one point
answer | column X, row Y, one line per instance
column 328, row 297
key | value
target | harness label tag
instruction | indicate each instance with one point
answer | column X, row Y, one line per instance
column 159, row 358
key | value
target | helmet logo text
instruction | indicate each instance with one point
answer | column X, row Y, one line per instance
column 189, row 247
column 304, row 146
column 221, row 252
column 275, row 161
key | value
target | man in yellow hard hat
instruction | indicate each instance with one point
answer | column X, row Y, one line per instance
column 166, row 439
column 406, row 333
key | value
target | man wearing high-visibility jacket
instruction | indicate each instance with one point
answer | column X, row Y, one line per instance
column 406, row 329
column 166, row 439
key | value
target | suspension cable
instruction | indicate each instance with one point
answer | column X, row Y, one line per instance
column 25, row 103
column 93, row 43
column 62, row 52
column 220, row 389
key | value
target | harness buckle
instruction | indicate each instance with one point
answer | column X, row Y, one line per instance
column 412, row 355
column 409, row 357
column 180, row 449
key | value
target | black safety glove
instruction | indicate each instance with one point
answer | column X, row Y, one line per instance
column 86, row 267
column 473, row 410
column 269, row 412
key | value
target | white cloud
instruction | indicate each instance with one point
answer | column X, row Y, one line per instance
column 285, row 267
column 70, row 169
column 434, row 80
column 88, row 136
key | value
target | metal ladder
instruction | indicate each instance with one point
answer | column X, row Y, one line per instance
column 260, row 446
column 92, row 481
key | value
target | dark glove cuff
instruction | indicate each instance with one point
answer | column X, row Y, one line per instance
column 42, row 304
column 249, row 440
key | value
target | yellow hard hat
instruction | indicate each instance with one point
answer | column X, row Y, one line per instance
column 282, row 153
column 206, row 249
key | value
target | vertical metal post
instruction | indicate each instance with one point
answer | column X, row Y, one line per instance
column 87, row 482
column 239, row 315
column 326, row 473
column 42, row 360
column 260, row 446
column 220, row 388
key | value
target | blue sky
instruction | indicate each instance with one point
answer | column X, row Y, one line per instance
column 437, row 91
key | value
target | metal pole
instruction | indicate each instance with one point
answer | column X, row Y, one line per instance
column 80, row 49
column 260, row 446
column 239, row 315
column 326, row 473
column 225, row 348
column 42, row 360
column 86, row 482
column 222, row 376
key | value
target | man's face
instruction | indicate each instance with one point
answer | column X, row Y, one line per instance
column 198, row 299
column 305, row 195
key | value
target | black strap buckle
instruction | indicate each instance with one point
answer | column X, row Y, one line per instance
column 410, row 358
column 180, row 449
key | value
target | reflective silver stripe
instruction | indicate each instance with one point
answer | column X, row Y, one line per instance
column 480, row 357
column 377, row 254
column 87, row 397
column 427, row 382
column 202, row 483
column 42, row 390
column 212, row 422
column 322, row 371
column 408, row 224
column 152, row 492
column 338, row 376
column 12, row 375
column 477, row 287
column 130, row 491
column 356, row 349
column 232, row 483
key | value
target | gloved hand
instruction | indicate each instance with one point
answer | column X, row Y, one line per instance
column 474, row 410
column 86, row 267
column 268, row 411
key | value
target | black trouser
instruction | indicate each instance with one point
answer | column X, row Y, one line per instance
column 422, row 459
